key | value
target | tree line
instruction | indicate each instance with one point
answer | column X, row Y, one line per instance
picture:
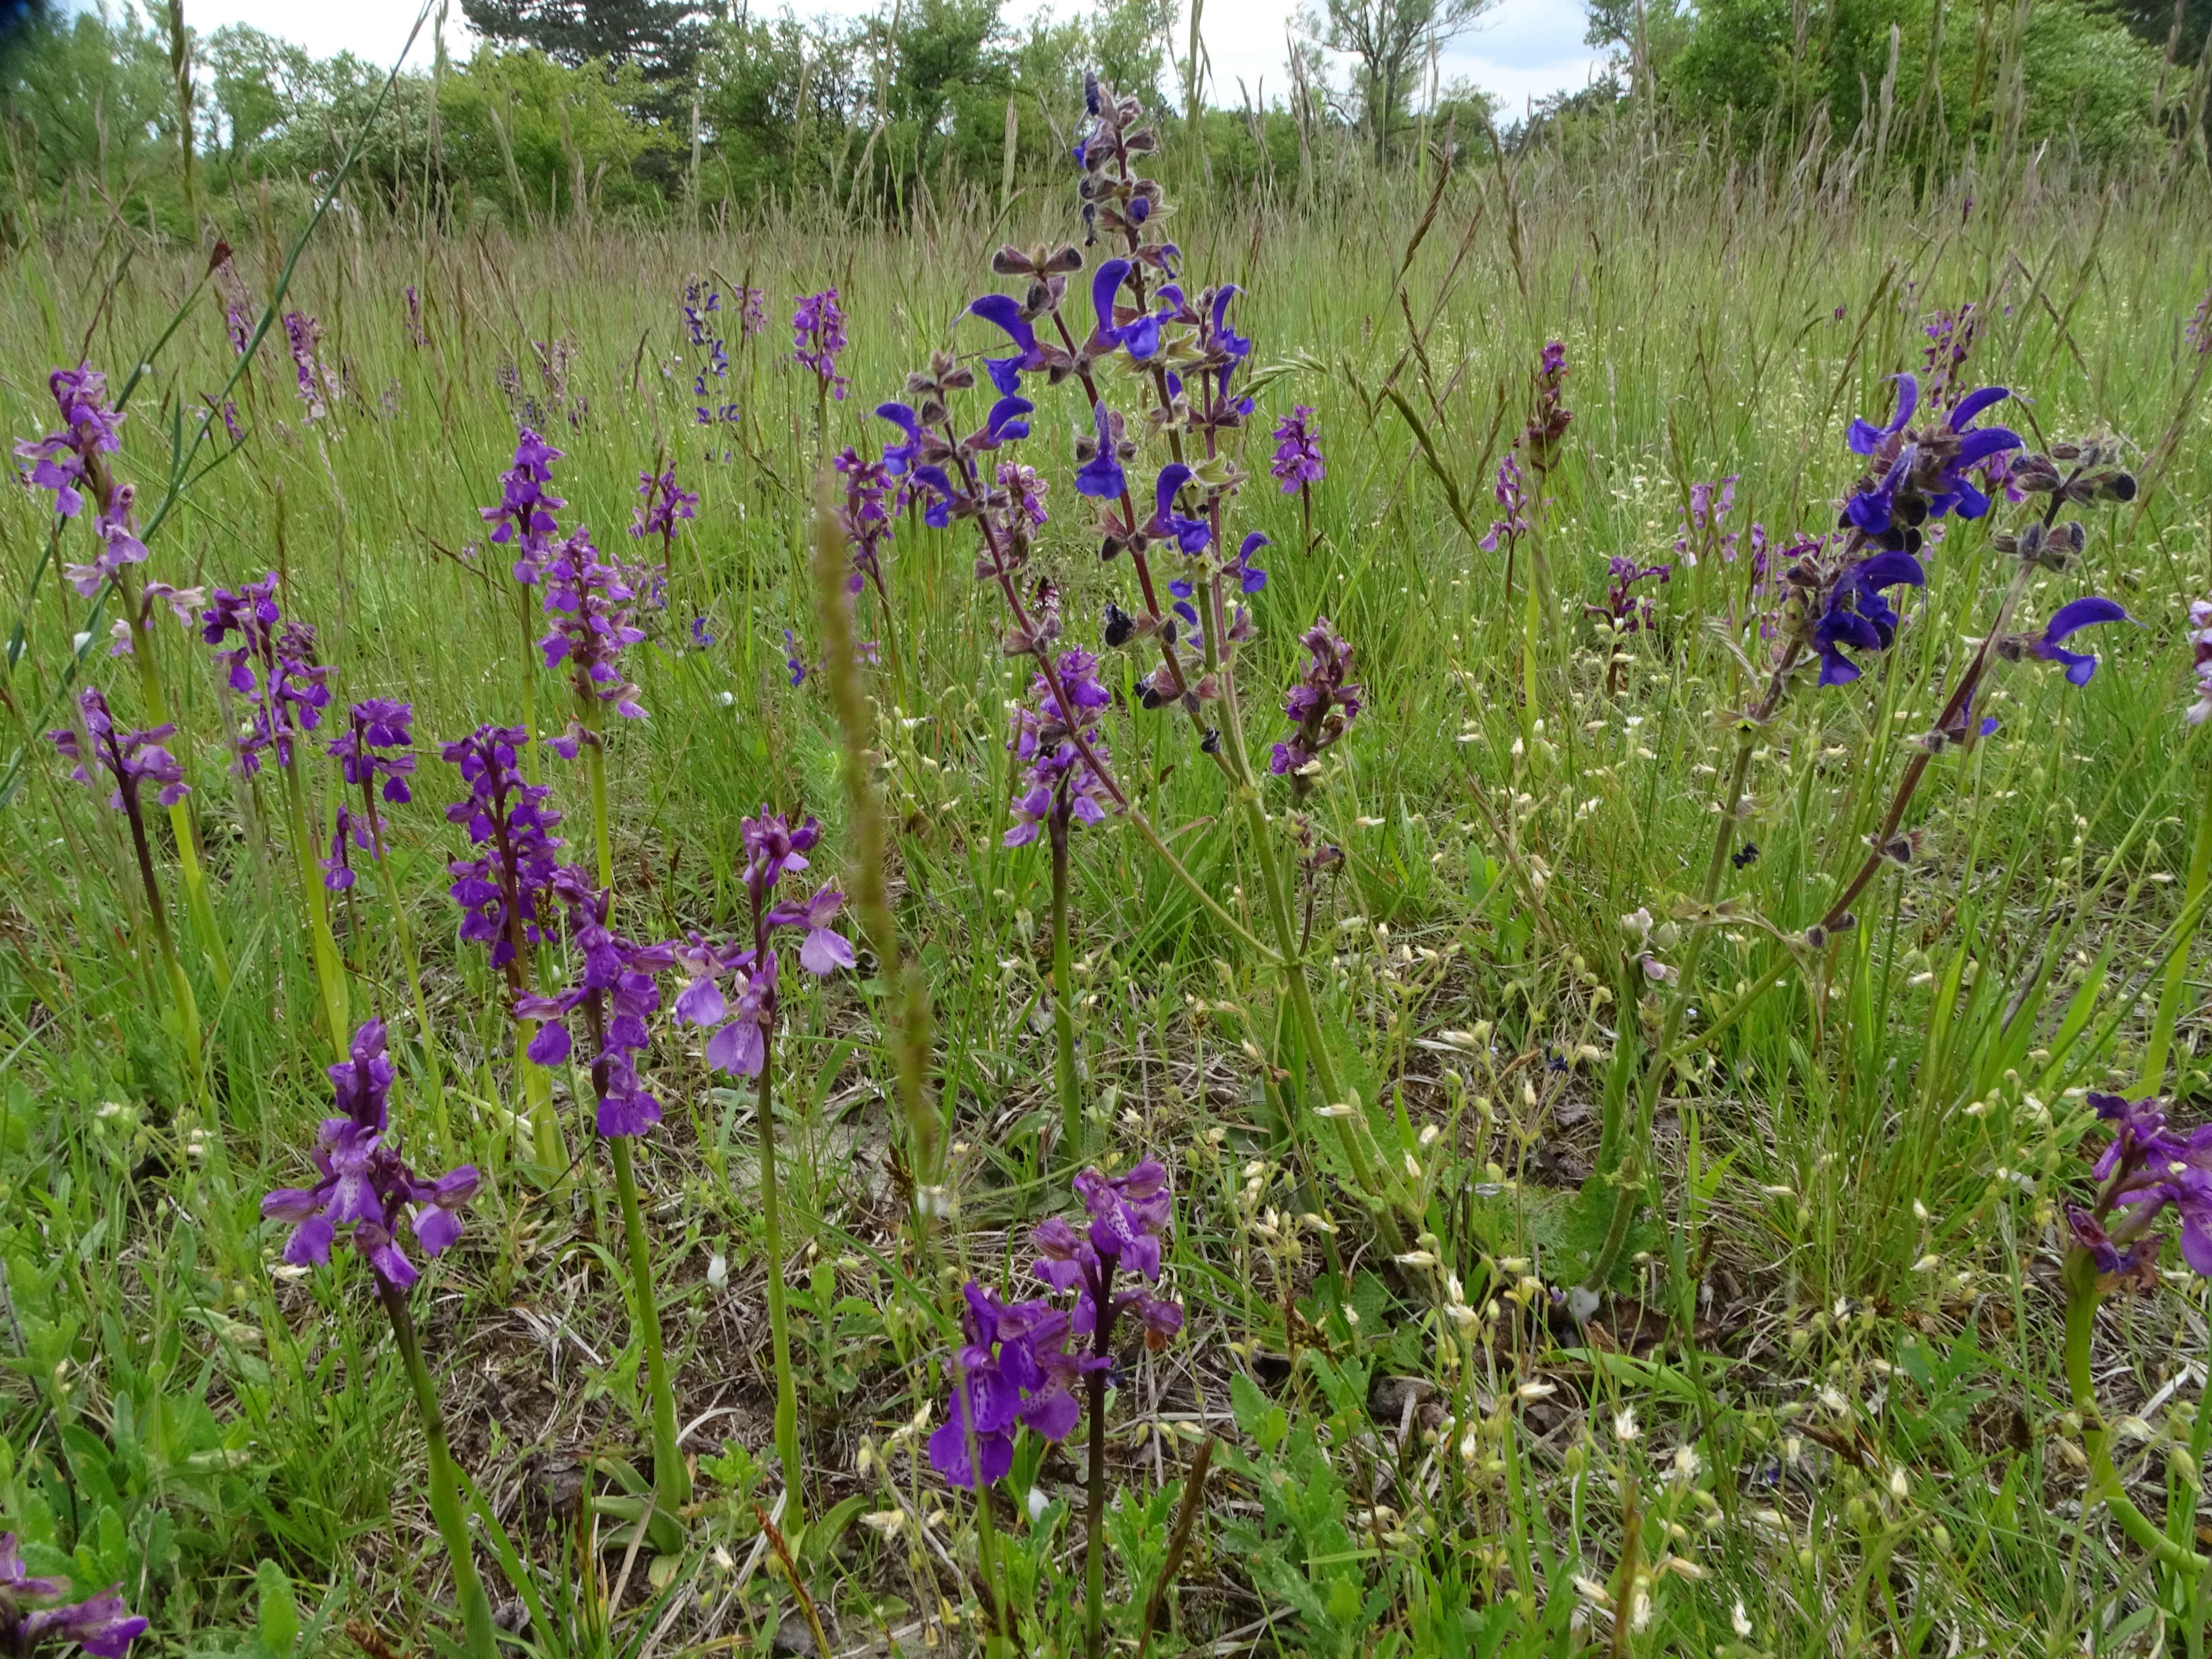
column 569, row 107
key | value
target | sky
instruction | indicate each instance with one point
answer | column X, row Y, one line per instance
column 1523, row 49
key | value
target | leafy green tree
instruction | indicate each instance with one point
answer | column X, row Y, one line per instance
column 1392, row 39
column 660, row 37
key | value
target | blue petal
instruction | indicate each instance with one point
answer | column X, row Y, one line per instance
column 2077, row 614
column 1005, row 311
column 1974, row 403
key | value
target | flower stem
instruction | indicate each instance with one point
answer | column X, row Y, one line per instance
column 1290, row 955
column 180, row 986
column 431, row 1059
column 671, row 1482
column 445, row 1488
column 330, row 968
column 2177, row 968
column 1094, row 1541
column 1063, row 990
column 196, row 904
column 2082, row 1299
column 779, row 1324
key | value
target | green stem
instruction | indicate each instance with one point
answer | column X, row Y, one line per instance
column 2177, row 968
column 482, row 1642
column 779, row 1326
column 330, row 968
column 196, row 904
column 2082, row 1298
column 1094, row 1542
column 180, row 986
column 409, row 959
column 671, row 1482
column 1063, row 994
column 595, row 766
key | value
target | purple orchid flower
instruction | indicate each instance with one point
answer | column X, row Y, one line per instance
column 272, row 666
column 1299, row 462
column 100, row 1625
column 1012, row 1371
column 1322, row 704
column 593, row 599
column 375, row 725
column 62, row 461
column 2146, row 1169
column 617, row 991
column 1058, row 782
column 824, row 949
column 366, row 1188
column 507, row 894
column 129, row 758
column 524, row 520
column 818, row 335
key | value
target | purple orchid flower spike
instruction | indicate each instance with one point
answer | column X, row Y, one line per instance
column 2068, row 620
column 618, row 993
column 100, row 1625
column 63, row 461
column 2146, row 1169
column 1004, row 312
column 1864, row 437
column 374, row 725
column 1058, row 780
column 1321, row 703
column 366, row 1189
column 1299, row 464
column 1012, row 1371
column 128, row 758
column 506, row 894
column 524, row 520
column 818, row 335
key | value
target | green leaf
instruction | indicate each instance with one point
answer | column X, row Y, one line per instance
column 280, row 1613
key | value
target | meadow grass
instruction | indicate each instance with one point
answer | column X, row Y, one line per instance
column 1825, row 1411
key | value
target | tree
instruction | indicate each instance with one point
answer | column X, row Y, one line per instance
column 661, row 37
column 1390, row 39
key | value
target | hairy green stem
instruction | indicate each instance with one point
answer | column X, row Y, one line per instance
column 482, row 1640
